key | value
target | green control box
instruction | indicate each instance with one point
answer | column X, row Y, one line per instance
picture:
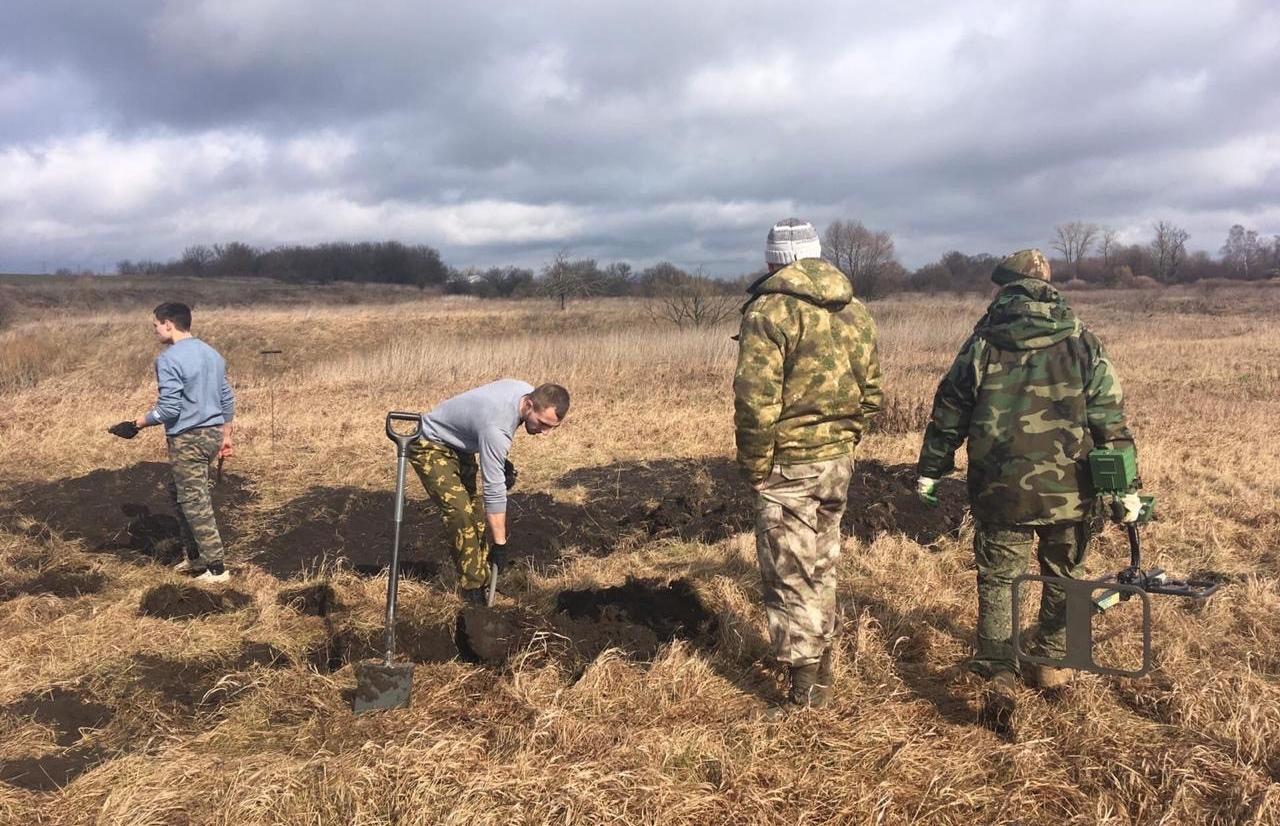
column 1113, row 470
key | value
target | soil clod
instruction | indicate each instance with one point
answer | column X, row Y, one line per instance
column 52, row 772
column 671, row 610
column 64, row 711
column 171, row 601
column 314, row 600
column 486, row 635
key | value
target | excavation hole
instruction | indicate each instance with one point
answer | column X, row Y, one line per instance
column 66, row 712
column 670, row 610
column 315, row 600
column 172, row 601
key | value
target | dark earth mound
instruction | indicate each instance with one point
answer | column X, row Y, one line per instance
column 316, row 599
column 171, row 601
column 52, row 772
column 64, row 711
column 124, row 511
column 191, row 684
column 421, row 570
column 671, row 610
column 58, row 582
column 416, row 641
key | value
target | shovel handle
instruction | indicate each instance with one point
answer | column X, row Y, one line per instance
column 403, row 440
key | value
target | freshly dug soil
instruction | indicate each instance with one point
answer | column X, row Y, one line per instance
column 416, row 641
column 52, row 772
column 64, row 711
column 187, row 683
column 172, row 601
column 57, row 582
column 670, row 610
column 314, row 600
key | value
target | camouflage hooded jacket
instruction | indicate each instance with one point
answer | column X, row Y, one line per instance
column 1033, row 392
column 808, row 375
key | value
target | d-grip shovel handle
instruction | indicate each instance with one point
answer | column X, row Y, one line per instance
column 403, row 440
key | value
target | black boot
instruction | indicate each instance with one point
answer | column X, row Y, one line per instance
column 804, row 681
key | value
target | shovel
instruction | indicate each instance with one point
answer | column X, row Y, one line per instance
column 386, row 684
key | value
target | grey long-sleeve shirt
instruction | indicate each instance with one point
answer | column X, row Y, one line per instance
column 482, row 421
column 193, row 389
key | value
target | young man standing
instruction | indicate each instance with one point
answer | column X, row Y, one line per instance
column 195, row 404
column 806, row 386
column 473, row 431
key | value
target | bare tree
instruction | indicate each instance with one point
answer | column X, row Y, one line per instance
column 1242, row 252
column 1169, row 247
column 864, row 256
column 696, row 305
column 1074, row 240
column 1107, row 246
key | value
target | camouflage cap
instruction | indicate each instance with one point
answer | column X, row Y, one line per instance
column 1021, row 264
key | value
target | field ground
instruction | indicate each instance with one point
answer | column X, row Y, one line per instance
column 631, row 682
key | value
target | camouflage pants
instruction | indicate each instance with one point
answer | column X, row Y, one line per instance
column 798, row 544
column 1001, row 553
column 450, row 480
column 190, row 455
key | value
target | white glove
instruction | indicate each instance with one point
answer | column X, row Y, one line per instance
column 1132, row 505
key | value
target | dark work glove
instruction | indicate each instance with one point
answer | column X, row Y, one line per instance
column 509, row 473
column 125, row 430
column 501, row 555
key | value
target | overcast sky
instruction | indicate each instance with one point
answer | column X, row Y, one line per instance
column 502, row 132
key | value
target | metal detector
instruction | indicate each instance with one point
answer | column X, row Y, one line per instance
column 1113, row 472
column 386, row 684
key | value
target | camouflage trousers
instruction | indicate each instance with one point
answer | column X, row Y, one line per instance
column 190, row 455
column 1001, row 553
column 798, row 515
column 450, row 480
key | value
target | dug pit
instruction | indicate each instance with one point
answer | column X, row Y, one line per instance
column 314, row 600
column 190, row 684
column 670, row 610
column 51, row 772
column 417, row 641
column 58, row 582
column 171, row 601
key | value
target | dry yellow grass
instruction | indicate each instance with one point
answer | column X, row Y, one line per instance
column 553, row 737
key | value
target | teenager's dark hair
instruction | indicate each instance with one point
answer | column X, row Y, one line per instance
column 179, row 314
column 551, row 395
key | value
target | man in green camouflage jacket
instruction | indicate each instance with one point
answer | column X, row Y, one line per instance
column 1032, row 392
column 807, row 381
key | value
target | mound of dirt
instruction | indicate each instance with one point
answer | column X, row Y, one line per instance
column 416, row 641
column 882, row 499
column 670, row 610
column 316, row 599
column 66, row 712
column 421, row 570
column 52, row 772
column 190, row 684
column 172, row 601
column 57, row 582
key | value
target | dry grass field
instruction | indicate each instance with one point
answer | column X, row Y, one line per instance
column 126, row 697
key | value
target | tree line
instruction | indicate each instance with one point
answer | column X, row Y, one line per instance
column 1080, row 252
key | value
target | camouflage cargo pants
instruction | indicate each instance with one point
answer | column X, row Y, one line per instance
column 798, row 515
column 450, row 480
column 1001, row 553
column 190, row 455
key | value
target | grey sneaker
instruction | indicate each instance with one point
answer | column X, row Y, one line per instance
column 209, row 576
column 189, row 566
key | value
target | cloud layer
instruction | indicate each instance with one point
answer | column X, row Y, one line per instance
column 501, row 133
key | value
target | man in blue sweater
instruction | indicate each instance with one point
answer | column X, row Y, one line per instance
column 195, row 404
column 473, row 431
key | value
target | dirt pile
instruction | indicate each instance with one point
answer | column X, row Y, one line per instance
column 58, row 582
column 316, row 599
column 172, row 601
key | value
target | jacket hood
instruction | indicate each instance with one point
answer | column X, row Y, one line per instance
column 1027, row 314
column 809, row 279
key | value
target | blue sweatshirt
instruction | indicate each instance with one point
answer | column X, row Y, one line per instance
column 193, row 388
column 482, row 421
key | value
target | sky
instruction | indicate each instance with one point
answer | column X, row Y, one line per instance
column 505, row 132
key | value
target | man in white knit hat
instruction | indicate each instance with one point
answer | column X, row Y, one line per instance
column 807, row 383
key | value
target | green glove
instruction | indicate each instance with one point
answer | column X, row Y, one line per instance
column 926, row 489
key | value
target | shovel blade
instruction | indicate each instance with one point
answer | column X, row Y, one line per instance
column 381, row 686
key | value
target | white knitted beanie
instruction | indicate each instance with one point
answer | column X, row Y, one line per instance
column 790, row 240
